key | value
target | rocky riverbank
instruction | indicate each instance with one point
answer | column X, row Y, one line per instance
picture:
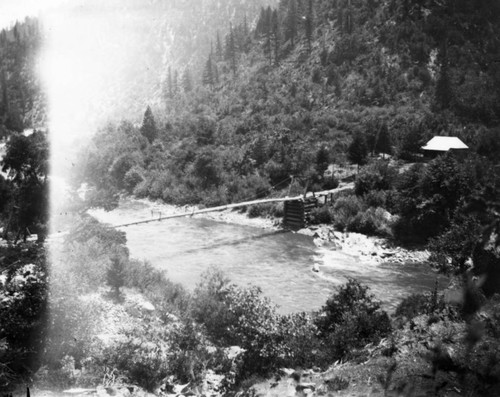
column 367, row 248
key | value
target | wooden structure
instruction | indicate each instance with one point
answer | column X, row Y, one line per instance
column 443, row 144
column 296, row 212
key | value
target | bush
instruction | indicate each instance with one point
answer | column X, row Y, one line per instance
column 321, row 215
column 132, row 178
column 345, row 209
column 165, row 295
column 376, row 176
column 351, row 319
column 330, row 183
column 417, row 304
column 373, row 221
column 239, row 316
column 115, row 275
column 376, row 198
column 142, row 354
column 262, row 210
column 301, row 346
column 23, row 300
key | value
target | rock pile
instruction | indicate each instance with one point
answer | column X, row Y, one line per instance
column 367, row 248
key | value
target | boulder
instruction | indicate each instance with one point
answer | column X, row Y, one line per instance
column 305, row 386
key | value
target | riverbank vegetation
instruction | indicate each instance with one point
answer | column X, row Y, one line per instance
column 110, row 320
column 297, row 93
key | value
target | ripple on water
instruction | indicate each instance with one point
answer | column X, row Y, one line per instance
column 279, row 262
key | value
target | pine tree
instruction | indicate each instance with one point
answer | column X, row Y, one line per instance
column 208, row 77
column 246, row 41
column 309, row 25
column 148, row 128
column 175, row 83
column 443, row 94
column 384, row 141
column 231, row 49
column 291, row 22
column 187, row 81
column 170, row 88
column 357, row 152
column 4, row 102
column 268, row 34
column 218, row 47
column 115, row 276
column 276, row 36
column 260, row 28
column 216, row 73
column 348, row 25
column 322, row 160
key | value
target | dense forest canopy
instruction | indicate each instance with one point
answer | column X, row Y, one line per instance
column 22, row 101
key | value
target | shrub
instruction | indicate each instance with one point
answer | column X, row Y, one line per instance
column 23, row 300
column 373, row 221
column 278, row 210
column 415, row 305
column 301, row 346
column 239, row 316
column 351, row 319
column 320, row 215
column 165, row 295
column 142, row 354
column 132, row 178
column 330, row 183
column 262, row 210
column 115, row 275
column 376, row 176
column 376, row 198
column 344, row 210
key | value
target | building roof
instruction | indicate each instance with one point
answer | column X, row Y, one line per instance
column 444, row 143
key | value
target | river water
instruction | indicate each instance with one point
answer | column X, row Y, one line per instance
column 279, row 262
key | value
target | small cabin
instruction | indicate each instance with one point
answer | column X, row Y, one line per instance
column 444, row 144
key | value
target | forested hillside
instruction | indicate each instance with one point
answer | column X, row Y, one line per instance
column 217, row 102
column 298, row 85
column 22, row 103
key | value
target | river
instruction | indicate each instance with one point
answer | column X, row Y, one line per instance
column 277, row 261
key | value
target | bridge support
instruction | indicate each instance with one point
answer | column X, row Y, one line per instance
column 296, row 212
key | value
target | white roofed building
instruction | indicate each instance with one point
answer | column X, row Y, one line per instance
column 443, row 144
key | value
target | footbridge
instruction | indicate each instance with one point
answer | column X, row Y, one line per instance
column 296, row 208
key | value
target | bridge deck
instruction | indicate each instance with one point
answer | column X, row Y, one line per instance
column 237, row 205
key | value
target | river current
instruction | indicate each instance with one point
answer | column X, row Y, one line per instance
column 277, row 261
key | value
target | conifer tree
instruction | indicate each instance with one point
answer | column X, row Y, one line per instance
column 187, row 81
column 384, row 141
column 4, row 101
column 268, row 35
column 309, row 25
column 218, row 47
column 175, row 83
column 291, row 22
column 322, row 160
column 245, row 35
column 170, row 88
column 260, row 28
column 216, row 73
column 443, row 93
column 231, row 49
column 148, row 127
column 208, row 73
column 357, row 152
column 348, row 25
column 276, row 36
